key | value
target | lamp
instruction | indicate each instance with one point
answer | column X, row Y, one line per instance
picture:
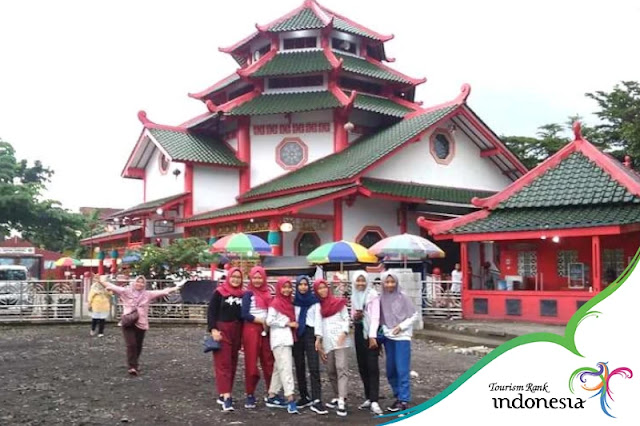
column 159, row 210
column 348, row 126
column 556, row 239
column 286, row 227
column 176, row 172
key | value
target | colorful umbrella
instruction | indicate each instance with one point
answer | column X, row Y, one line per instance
column 242, row 244
column 406, row 245
column 341, row 252
column 131, row 257
column 67, row 262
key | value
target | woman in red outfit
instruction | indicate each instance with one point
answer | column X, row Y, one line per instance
column 225, row 326
column 255, row 337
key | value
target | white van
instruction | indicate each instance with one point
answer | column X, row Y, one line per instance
column 15, row 290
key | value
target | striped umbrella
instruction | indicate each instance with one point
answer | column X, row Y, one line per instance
column 241, row 244
column 406, row 245
column 341, row 252
column 67, row 262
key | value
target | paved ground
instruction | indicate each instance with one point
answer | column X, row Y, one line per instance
column 59, row 375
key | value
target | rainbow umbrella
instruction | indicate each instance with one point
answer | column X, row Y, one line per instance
column 406, row 245
column 67, row 262
column 341, row 252
column 242, row 244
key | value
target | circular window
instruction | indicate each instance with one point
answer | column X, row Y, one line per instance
column 163, row 163
column 442, row 147
column 291, row 153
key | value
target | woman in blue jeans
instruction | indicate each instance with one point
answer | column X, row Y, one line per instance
column 397, row 314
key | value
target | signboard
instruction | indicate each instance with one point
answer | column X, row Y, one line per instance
column 163, row 226
column 576, row 275
column 17, row 250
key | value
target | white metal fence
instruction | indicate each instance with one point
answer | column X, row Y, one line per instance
column 40, row 300
column 439, row 300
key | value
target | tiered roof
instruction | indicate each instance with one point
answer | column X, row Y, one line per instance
column 578, row 187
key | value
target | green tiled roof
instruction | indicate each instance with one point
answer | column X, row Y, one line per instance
column 182, row 146
column 534, row 219
column 120, row 231
column 226, row 82
column 294, row 62
column 380, row 105
column 342, row 25
column 306, row 19
column 426, row 192
column 268, row 204
column 363, row 67
column 148, row 206
column 281, row 103
column 575, row 181
column 356, row 157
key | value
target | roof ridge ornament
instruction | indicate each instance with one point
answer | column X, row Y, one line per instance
column 142, row 116
column 465, row 91
column 577, row 131
column 213, row 108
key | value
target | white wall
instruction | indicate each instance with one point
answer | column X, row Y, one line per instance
column 263, row 147
column 289, row 238
column 159, row 185
column 466, row 170
column 214, row 188
column 366, row 211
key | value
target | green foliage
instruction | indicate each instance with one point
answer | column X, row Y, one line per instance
column 178, row 259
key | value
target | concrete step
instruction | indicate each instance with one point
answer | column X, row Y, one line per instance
column 464, row 340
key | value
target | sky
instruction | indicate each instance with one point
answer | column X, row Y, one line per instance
column 74, row 74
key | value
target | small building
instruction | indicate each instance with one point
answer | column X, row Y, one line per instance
column 551, row 240
column 39, row 262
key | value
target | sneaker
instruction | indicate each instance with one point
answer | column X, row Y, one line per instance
column 228, row 404
column 375, row 409
column 364, row 405
column 304, row 402
column 275, row 402
column 332, row 404
column 101, row 335
column 403, row 406
column 92, row 333
column 342, row 409
column 318, row 408
column 220, row 400
column 133, row 372
column 395, row 407
column 292, row 408
column 250, row 402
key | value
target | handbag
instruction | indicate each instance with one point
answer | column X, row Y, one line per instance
column 380, row 337
column 130, row 319
column 210, row 344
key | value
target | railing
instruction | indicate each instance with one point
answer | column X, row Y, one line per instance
column 439, row 300
column 40, row 301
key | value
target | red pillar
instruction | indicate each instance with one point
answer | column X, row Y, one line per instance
column 244, row 152
column 403, row 220
column 340, row 136
column 213, row 266
column 101, row 267
column 596, row 264
column 464, row 263
column 337, row 219
column 188, row 187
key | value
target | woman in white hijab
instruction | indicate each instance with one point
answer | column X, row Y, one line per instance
column 365, row 311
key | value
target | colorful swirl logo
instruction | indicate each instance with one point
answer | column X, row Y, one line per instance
column 603, row 388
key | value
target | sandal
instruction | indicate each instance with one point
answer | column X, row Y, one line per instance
column 133, row 372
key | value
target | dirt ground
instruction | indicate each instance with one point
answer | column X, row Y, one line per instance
column 57, row 374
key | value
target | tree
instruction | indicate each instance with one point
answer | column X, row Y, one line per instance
column 23, row 209
column 177, row 259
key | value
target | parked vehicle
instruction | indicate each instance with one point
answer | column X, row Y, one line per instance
column 16, row 292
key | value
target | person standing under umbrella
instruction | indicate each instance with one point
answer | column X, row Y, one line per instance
column 309, row 330
column 224, row 318
column 99, row 305
column 397, row 315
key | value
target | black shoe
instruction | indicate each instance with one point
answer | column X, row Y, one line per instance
column 403, row 406
column 304, row 402
column 397, row 406
column 318, row 408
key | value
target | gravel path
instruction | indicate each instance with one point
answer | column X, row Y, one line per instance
column 53, row 374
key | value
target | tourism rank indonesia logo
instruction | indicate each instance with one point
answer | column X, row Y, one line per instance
column 602, row 377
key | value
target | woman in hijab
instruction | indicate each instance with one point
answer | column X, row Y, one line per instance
column 255, row 340
column 365, row 312
column 99, row 305
column 136, row 297
column 397, row 314
column 225, row 325
column 335, row 343
column 281, row 319
column 309, row 330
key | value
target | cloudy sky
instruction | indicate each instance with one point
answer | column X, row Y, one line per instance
column 73, row 74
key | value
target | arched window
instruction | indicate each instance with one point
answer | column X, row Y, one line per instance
column 163, row 164
column 370, row 235
column 306, row 242
column 442, row 146
column 291, row 153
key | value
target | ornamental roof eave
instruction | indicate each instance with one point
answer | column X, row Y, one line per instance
column 151, row 206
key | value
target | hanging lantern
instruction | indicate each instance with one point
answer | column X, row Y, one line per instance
column 101, row 255
column 114, row 254
column 273, row 238
column 212, row 240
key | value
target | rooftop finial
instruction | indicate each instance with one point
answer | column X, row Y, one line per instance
column 211, row 106
column 142, row 116
column 577, row 130
column 465, row 91
column 628, row 162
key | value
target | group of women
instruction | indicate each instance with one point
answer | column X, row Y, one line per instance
column 302, row 325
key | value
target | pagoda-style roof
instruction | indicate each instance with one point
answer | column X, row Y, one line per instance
column 117, row 234
column 220, row 85
column 421, row 193
column 578, row 187
column 151, row 206
column 280, row 103
column 290, row 62
column 381, row 105
column 374, row 69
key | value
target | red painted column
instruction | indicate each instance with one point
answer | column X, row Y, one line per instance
column 340, row 136
column 244, row 152
column 464, row 263
column 101, row 267
column 144, row 188
column 188, row 187
column 403, row 220
column 337, row 219
column 596, row 264
column 213, row 266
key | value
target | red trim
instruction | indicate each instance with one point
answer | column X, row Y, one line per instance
column 106, row 238
column 144, row 189
column 465, row 91
column 248, row 71
column 314, row 216
column 296, row 242
column 411, row 80
column 337, row 219
column 235, row 102
column 125, row 170
column 136, row 173
column 331, row 57
column 188, row 187
column 295, row 190
column 142, row 116
column 490, row 152
column 209, row 90
column 305, row 153
column 452, row 146
column 528, row 235
column 381, row 37
column 161, row 157
column 464, row 266
column 199, row 119
column 405, row 103
column 596, row 263
column 239, row 44
column 370, row 228
column 403, row 220
column 340, row 135
column 265, row 27
column 438, row 227
column 244, row 153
